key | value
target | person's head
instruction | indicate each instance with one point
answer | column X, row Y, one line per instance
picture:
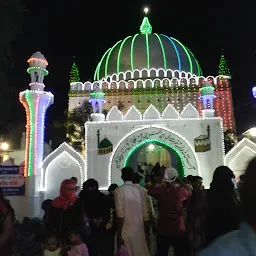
column 75, row 236
column 248, row 193
column 127, row 174
column 52, row 243
column 91, row 185
column 74, row 179
column 46, row 205
column 170, row 174
column 158, row 171
column 136, row 178
column 26, row 220
column 241, row 179
column 198, row 183
column 68, row 189
column 112, row 188
column 223, row 179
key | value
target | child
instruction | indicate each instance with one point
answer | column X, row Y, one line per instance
column 52, row 246
column 78, row 247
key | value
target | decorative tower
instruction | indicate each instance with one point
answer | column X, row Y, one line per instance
column 36, row 101
column 97, row 99
column 223, row 66
column 207, row 96
column 74, row 73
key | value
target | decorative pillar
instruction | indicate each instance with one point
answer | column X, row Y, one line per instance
column 36, row 102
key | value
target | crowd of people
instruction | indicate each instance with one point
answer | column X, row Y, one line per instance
column 157, row 205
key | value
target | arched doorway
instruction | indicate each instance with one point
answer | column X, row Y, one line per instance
column 159, row 135
column 151, row 152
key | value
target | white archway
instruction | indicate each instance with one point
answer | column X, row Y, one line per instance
column 165, row 136
column 66, row 162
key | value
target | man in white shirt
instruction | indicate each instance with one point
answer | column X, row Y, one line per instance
column 132, row 216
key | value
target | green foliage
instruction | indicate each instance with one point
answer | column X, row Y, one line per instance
column 74, row 125
column 229, row 140
column 223, row 67
column 74, row 74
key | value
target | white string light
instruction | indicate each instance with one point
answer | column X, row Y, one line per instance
column 64, row 147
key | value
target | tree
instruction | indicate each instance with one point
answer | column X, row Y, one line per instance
column 223, row 67
column 229, row 140
column 74, row 125
column 74, row 74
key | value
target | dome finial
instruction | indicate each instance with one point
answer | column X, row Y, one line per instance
column 145, row 27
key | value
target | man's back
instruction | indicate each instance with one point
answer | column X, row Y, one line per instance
column 129, row 202
column 131, row 206
column 170, row 197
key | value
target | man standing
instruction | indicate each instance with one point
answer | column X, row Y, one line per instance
column 151, row 210
column 132, row 216
column 171, row 227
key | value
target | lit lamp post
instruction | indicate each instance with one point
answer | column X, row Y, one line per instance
column 4, row 151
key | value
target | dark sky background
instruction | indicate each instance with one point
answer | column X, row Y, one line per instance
column 86, row 29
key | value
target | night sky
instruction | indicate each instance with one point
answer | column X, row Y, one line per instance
column 86, row 29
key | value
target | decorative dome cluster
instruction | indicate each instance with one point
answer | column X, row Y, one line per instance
column 147, row 50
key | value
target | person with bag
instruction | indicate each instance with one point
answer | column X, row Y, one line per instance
column 132, row 216
column 6, row 226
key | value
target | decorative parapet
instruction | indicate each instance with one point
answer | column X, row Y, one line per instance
column 161, row 78
column 151, row 113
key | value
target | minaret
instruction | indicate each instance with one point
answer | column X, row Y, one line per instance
column 223, row 66
column 36, row 101
column 97, row 99
column 207, row 96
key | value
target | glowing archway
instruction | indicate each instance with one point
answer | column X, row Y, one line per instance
column 161, row 135
column 180, row 165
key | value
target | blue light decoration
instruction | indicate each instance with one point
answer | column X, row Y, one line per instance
column 254, row 92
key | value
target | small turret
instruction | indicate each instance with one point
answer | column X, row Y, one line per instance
column 37, row 71
column 97, row 99
column 207, row 96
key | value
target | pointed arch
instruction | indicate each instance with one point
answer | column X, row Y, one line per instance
column 63, row 148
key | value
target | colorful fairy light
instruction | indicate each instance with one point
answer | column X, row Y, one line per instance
column 37, row 59
column 35, row 103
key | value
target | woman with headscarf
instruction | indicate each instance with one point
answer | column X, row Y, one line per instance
column 223, row 211
column 6, row 226
column 66, row 210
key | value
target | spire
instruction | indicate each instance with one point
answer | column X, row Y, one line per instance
column 145, row 27
column 223, row 66
column 74, row 73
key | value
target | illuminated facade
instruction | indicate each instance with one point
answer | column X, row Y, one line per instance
column 150, row 68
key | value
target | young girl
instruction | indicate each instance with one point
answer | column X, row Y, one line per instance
column 78, row 247
column 52, row 246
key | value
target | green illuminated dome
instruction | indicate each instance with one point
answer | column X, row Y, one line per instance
column 147, row 50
